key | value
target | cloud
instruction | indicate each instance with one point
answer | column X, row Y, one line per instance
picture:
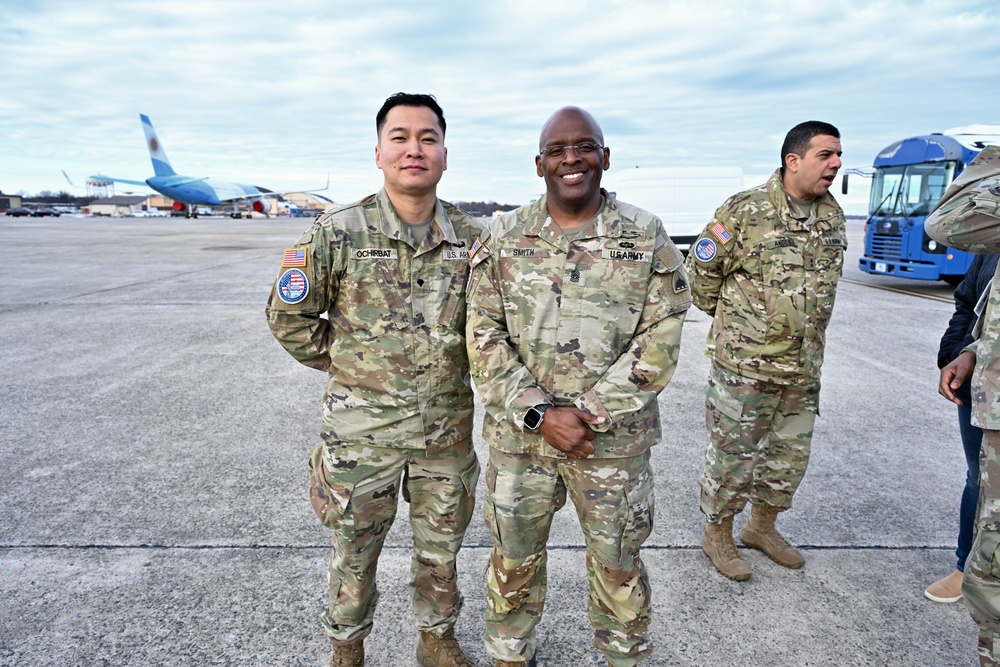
column 279, row 94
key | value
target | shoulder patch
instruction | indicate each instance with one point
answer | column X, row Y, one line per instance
column 479, row 245
column 294, row 257
column 293, row 286
column 705, row 250
column 680, row 283
column 720, row 232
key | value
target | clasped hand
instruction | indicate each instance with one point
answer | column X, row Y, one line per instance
column 568, row 430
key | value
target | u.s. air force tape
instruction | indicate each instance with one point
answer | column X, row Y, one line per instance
column 293, row 286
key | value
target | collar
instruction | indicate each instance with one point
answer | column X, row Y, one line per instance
column 826, row 211
column 607, row 222
column 390, row 225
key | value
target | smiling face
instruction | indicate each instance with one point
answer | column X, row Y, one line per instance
column 810, row 176
column 411, row 152
column 572, row 180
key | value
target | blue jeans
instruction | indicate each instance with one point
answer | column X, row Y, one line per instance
column 972, row 439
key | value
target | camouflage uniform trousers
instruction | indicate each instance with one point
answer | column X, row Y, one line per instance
column 354, row 490
column 981, row 584
column 759, row 439
column 614, row 503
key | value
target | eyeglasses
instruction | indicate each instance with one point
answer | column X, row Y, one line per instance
column 580, row 149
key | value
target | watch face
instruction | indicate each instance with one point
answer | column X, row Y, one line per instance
column 532, row 418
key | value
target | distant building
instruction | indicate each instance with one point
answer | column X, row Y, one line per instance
column 118, row 207
column 310, row 201
column 8, row 202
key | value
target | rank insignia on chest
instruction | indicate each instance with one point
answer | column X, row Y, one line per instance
column 294, row 257
column 720, row 232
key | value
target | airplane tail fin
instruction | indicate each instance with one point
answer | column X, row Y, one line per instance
column 161, row 164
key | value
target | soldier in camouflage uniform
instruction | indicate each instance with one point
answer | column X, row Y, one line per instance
column 389, row 271
column 968, row 218
column 766, row 270
column 575, row 310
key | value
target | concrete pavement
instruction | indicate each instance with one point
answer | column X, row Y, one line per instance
column 153, row 509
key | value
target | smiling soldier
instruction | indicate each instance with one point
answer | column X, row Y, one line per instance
column 389, row 274
column 766, row 270
column 575, row 310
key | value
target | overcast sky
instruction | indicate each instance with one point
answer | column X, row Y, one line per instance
column 279, row 94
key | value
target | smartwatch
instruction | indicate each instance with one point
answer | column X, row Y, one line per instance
column 534, row 416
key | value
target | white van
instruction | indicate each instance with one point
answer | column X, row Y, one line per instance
column 684, row 198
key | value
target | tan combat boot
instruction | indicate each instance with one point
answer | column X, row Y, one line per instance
column 718, row 545
column 760, row 534
column 443, row 651
column 512, row 663
column 348, row 654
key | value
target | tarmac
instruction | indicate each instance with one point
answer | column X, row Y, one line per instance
column 153, row 489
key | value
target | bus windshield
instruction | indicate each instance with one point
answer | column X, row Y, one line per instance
column 911, row 189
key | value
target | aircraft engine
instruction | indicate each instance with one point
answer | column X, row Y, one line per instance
column 178, row 206
column 262, row 206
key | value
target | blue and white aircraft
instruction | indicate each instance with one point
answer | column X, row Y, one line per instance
column 189, row 192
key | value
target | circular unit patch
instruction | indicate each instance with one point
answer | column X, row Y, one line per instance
column 705, row 250
column 293, row 286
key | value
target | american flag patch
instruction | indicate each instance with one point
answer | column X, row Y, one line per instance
column 720, row 232
column 294, row 257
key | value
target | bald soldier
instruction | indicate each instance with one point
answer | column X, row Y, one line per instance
column 766, row 270
column 389, row 273
column 575, row 310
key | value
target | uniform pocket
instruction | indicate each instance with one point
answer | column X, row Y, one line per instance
column 369, row 304
column 328, row 504
column 721, row 400
column 783, row 275
column 638, row 522
column 981, row 584
column 453, row 304
column 489, row 508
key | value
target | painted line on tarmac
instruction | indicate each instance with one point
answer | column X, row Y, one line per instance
column 146, row 546
column 897, row 289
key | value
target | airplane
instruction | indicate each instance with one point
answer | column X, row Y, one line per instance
column 188, row 192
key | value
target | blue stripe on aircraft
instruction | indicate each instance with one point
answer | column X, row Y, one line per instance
column 161, row 168
column 192, row 192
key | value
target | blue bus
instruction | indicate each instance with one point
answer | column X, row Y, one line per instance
column 910, row 177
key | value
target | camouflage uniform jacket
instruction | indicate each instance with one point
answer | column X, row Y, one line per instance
column 769, row 281
column 393, row 340
column 594, row 323
column 968, row 218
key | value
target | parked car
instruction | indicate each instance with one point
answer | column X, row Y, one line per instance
column 18, row 212
column 43, row 212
